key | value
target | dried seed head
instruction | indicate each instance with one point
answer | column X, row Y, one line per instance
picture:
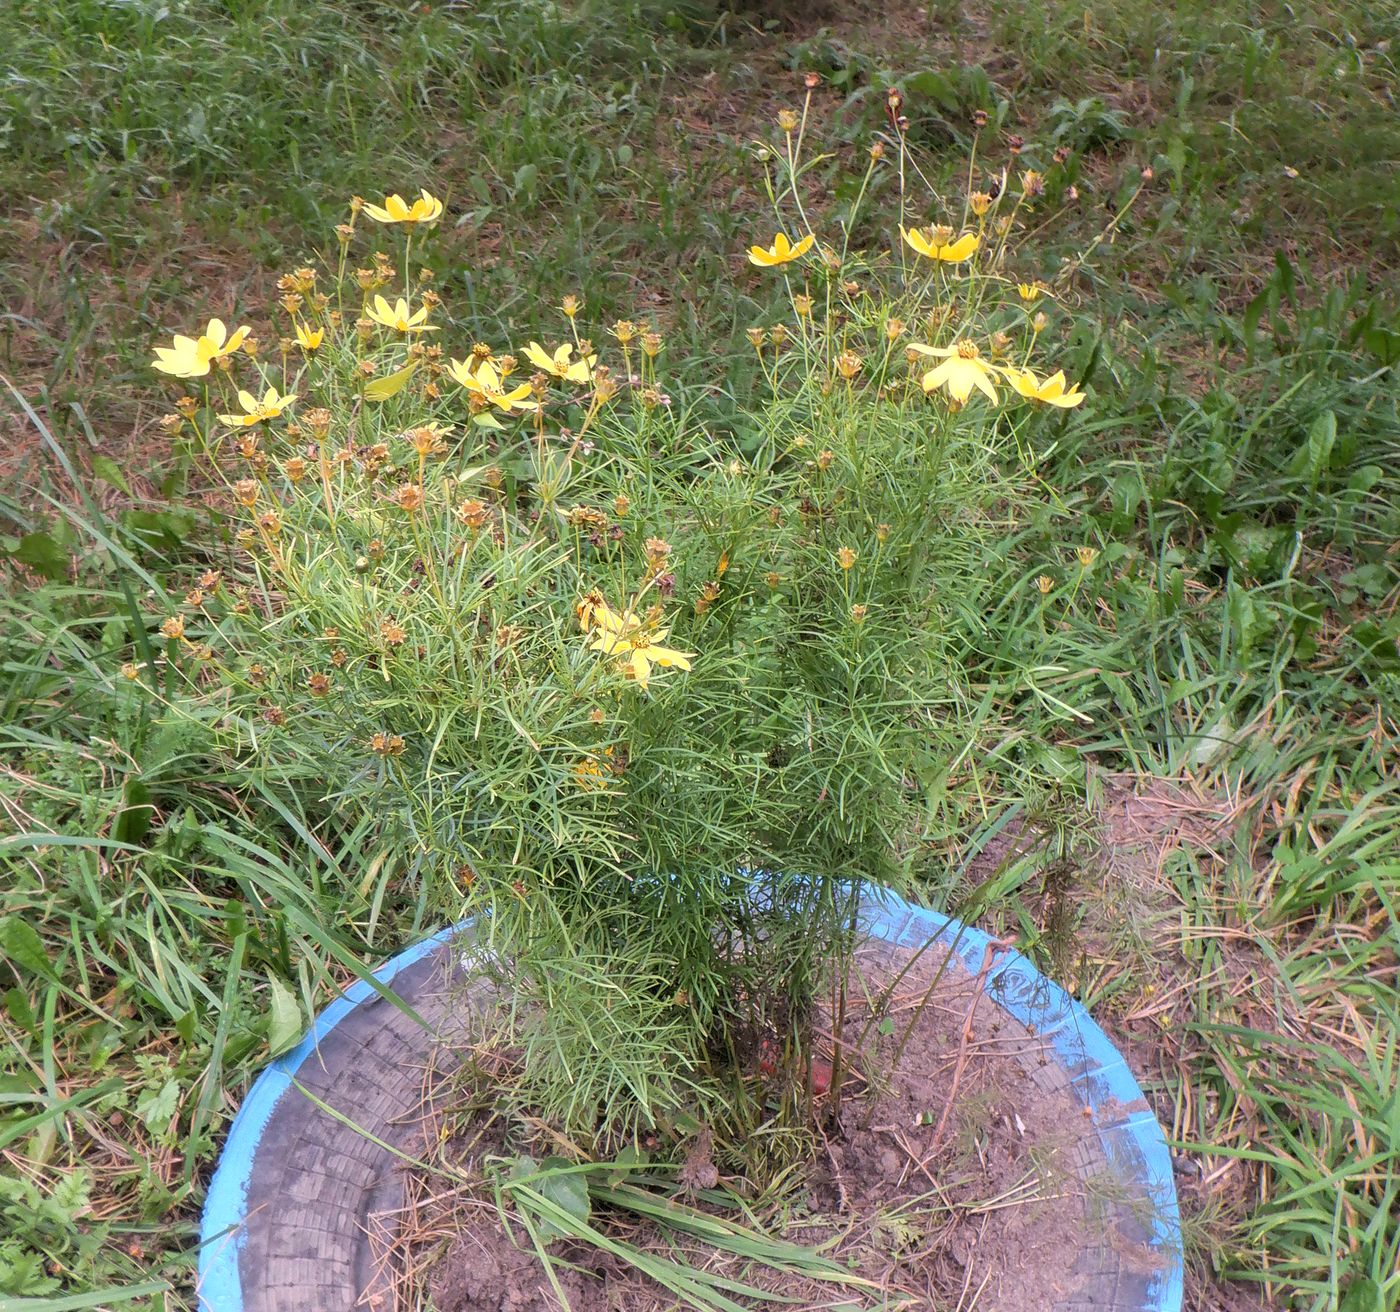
column 473, row 514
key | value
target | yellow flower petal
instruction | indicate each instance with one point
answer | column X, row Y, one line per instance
column 960, row 249
column 918, row 242
column 950, row 252
column 381, row 389
column 539, row 357
column 781, row 251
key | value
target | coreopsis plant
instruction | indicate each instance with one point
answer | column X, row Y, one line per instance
column 653, row 706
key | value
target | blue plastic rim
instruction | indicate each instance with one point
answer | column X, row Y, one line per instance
column 1128, row 1130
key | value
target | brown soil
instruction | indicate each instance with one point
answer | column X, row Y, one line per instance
column 1012, row 1209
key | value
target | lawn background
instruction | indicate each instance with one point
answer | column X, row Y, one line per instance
column 1189, row 803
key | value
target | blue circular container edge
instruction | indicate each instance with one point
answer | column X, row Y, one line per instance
column 1132, row 1134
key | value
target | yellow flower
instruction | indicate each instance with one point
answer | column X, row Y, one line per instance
column 480, row 378
column 426, row 209
column 1028, row 291
column 781, row 251
column 954, row 252
column 637, row 649
column 257, row 412
column 189, row 357
column 593, row 609
column 559, row 365
column 398, row 316
column 962, row 369
column 846, row 557
column 589, row 775
column 1052, row 390
column 310, row 339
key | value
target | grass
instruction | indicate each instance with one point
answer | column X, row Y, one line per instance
column 1231, row 649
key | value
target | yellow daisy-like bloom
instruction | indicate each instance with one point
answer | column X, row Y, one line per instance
column 398, row 317
column 481, row 378
column 636, row 647
column 781, row 251
column 189, row 357
column 950, row 252
column 559, row 364
column 1028, row 291
column 256, row 411
column 1051, row 391
column 963, row 368
column 310, row 339
column 426, row 209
